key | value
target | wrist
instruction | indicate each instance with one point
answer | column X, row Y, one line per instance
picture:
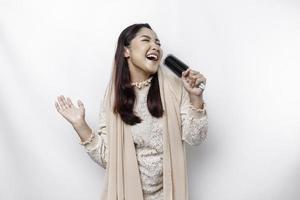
column 197, row 101
column 83, row 130
column 79, row 124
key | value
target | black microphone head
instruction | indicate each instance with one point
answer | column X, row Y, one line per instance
column 176, row 65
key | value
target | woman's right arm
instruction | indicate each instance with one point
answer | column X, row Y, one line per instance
column 97, row 147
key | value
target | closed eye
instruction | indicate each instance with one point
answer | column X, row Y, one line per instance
column 149, row 41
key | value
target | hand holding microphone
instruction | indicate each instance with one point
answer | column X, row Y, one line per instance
column 193, row 81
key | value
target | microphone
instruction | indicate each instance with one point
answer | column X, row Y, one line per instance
column 177, row 66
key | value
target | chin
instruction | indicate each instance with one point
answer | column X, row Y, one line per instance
column 150, row 69
column 153, row 71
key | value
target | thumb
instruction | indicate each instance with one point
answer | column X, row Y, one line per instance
column 80, row 104
column 186, row 72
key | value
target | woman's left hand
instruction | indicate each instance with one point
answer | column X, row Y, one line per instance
column 192, row 80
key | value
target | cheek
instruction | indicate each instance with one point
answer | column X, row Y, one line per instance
column 140, row 54
column 161, row 53
column 139, row 57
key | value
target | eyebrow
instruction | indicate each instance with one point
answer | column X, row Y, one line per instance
column 147, row 36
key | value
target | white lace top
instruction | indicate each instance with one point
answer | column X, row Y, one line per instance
column 148, row 139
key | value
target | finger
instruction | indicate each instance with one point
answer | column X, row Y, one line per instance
column 194, row 75
column 65, row 102
column 185, row 77
column 190, row 82
column 199, row 81
column 193, row 71
column 61, row 102
column 198, row 75
column 194, row 82
column 57, row 106
column 80, row 104
column 63, row 99
column 186, row 72
column 69, row 102
column 203, row 79
column 191, row 77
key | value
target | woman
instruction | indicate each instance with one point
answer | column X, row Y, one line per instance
column 147, row 115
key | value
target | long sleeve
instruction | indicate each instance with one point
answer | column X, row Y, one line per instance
column 194, row 122
column 98, row 149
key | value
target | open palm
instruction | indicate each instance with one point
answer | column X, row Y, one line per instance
column 69, row 111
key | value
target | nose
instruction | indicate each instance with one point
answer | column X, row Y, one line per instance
column 155, row 47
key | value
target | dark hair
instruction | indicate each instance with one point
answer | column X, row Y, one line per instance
column 124, row 92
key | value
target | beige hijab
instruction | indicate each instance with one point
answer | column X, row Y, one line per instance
column 122, row 178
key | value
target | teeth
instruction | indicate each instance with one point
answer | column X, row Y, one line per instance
column 152, row 56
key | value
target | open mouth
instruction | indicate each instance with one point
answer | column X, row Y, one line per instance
column 152, row 57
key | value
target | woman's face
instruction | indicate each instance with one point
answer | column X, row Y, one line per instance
column 144, row 53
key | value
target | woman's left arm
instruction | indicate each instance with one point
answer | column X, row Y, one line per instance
column 194, row 122
column 193, row 109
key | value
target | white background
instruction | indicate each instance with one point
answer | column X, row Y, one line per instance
column 248, row 51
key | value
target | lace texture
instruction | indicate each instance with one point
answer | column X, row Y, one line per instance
column 148, row 140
